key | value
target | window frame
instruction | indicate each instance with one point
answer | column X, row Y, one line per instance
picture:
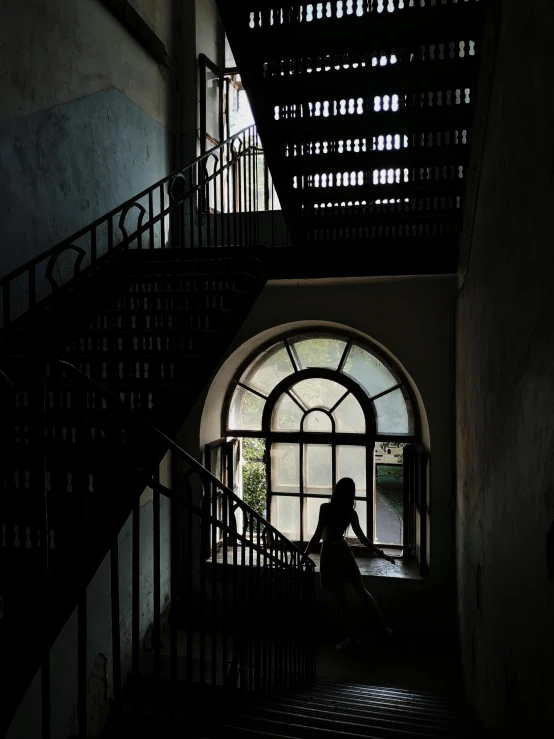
column 334, row 438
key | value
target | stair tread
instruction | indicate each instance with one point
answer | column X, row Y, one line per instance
column 403, row 218
column 369, row 702
column 331, row 35
column 332, row 163
column 388, row 191
column 406, row 122
column 399, row 78
column 312, row 717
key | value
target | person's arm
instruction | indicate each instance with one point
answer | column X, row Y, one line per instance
column 365, row 541
column 314, row 541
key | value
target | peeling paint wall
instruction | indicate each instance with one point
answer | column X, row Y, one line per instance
column 83, row 120
column 63, row 655
column 505, row 393
column 160, row 17
column 210, row 35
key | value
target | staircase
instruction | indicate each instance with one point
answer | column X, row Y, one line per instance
column 109, row 338
column 107, row 341
column 325, row 708
column 365, row 110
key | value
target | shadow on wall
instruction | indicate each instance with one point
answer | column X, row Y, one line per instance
column 63, row 655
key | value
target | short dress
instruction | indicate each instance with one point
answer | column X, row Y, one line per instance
column 337, row 563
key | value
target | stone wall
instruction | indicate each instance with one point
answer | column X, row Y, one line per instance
column 505, row 392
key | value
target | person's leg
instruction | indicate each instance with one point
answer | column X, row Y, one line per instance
column 342, row 602
column 371, row 604
column 340, row 597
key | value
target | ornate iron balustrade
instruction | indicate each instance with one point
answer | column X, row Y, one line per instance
column 214, row 201
column 75, row 461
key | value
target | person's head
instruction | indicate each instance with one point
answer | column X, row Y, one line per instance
column 342, row 502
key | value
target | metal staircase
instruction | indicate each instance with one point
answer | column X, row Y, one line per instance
column 107, row 340
column 365, row 110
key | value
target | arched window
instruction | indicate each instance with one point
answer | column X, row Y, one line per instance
column 327, row 406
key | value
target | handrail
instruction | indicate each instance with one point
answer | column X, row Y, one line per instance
column 176, row 223
column 18, row 271
column 210, row 601
column 159, row 211
column 171, row 445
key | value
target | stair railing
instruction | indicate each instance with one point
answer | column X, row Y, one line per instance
column 213, row 201
column 178, row 611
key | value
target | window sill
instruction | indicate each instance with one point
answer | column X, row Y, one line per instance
column 369, row 566
column 377, row 567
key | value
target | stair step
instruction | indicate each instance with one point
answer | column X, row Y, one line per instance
column 405, row 122
column 428, row 189
column 180, row 266
column 311, row 719
column 325, row 707
column 343, row 84
column 200, row 255
column 237, row 722
column 194, row 280
column 369, row 708
column 152, row 304
column 413, row 158
column 128, row 343
column 366, row 698
column 91, row 312
column 371, row 31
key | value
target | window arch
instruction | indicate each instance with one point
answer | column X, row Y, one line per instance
column 324, row 402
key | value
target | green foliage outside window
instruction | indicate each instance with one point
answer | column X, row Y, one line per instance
column 254, row 484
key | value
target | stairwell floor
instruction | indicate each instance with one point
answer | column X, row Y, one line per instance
column 433, row 666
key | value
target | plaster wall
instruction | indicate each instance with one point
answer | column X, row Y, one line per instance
column 159, row 14
column 83, row 120
column 505, row 365
column 210, row 35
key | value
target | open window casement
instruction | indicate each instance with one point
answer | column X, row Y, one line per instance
column 222, row 459
column 416, row 505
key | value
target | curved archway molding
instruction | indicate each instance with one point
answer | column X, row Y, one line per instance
column 210, row 425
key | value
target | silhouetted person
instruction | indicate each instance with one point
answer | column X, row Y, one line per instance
column 338, row 565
